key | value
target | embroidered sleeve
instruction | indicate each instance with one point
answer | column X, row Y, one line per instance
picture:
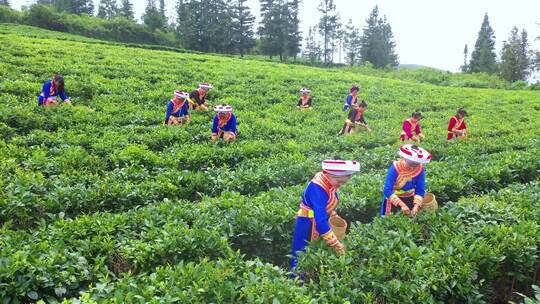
column 215, row 126
column 418, row 200
column 232, row 124
column 63, row 95
column 420, row 188
column 46, row 89
column 169, row 112
column 391, row 177
column 331, row 239
column 317, row 199
column 185, row 109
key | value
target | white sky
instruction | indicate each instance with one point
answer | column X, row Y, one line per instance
column 427, row 32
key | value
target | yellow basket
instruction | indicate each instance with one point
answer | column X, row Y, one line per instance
column 338, row 225
column 430, row 203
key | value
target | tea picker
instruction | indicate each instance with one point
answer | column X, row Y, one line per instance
column 411, row 130
column 355, row 119
column 318, row 205
column 177, row 109
column 305, row 101
column 456, row 126
column 197, row 98
column 352, row 98
column 51, row 90
column 405, row 184
column 224, row 124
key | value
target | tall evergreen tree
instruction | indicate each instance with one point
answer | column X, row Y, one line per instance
column 279, row 30
column 242, row 22
column 71, row 6
column 352, row 44
column 126, row 10
column 464, row 68
column 107, row 9
column 378, row 45
column 80, row 6
column 483, row 58
column 206, row 25
column 313, row 49
column 516, row 58
column 328, row 26
column 152, row 16
column 340, row 37
column 294, row 36
column 186, row 31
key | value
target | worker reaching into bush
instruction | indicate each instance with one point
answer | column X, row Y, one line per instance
column 318, row 204
column 355, row 119
column 456, row 126
column 51, row 90
column 405, row 184
column 352, row 99
column 411, row 129
column 197, row 97
column 224, row 124
column 177, row 109
column 305, row 101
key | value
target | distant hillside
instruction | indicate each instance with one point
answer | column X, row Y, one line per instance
column 413, row 67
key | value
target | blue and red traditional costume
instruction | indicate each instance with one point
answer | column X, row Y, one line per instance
column 177, row 109
column 224, row 124
column 405, row 185
column 319, row 202
column 49, row 93
column 352, row 99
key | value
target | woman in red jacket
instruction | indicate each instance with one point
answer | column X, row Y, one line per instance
column 456, row 126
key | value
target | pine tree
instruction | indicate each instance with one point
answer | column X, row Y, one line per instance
column 328, row 25
column 270, row 30
column 294, row 36
column 206, row 25
column 313, row 49
column 340, row 37
column 536, row 64
column 152, row 17
column 515, row 57
column 242, row 22
column 80, row 6
column 378, row 45
column 352, row 44
column 464, row 68
column 483, row 58
column 186, row 21
column 126, row 10
column 107, row 9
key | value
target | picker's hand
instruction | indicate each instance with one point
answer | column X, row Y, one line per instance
column 415, row 210
column 67, row 101
column 340, row 248
column 405, row 209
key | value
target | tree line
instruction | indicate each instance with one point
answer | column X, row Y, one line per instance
column 517, row 59
column 228, row 27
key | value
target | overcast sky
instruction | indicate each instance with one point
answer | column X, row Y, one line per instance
column 427, row 32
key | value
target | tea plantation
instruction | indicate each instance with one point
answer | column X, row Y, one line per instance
column 102, row 203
